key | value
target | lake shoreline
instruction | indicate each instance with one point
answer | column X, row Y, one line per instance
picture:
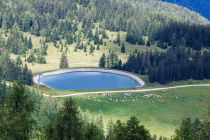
column 57, row 72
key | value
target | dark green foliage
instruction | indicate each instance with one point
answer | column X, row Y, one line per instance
column 123, row 48
column 44, row 47
column 38, row 55
column 129, row 131
column 26, row 76
column 26, row 23
column 13, row 71
column 104, row 35
column 148, row 43
column 29, row 44
column 16, row 113
column 17, row 44
column 96, row 37
column 69, row 38
column 102, row 61
column 173, row 65
column 2, row 42
column 58, row 20
column 31, row 58
column 19, row 61
column 90, row 34
column 7, row 20
column 98, row 47
column 185, row 35
column 110, row 132
column 136, row 131
column 67, row 125
column 134, row 39
column 113, row 59
column 81, row 46
column 192, row 130
column 35, row 29
column 178, row 65
column 137, row 20
column 162, row 45
column 201, row 6
column 92, row 48
column 93, row 132
column 40, row 59
column 118, row 40
column 2, row 91
column 85, row 49
column 110, row 61
column 64, row 61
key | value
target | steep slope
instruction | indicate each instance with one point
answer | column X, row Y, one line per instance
column 171, row 10
column 61, row 19
column 200, row 6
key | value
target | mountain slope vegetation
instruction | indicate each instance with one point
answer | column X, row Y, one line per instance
column 200, row 6
column 43, row 17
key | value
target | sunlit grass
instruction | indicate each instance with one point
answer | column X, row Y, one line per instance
column 160, row 111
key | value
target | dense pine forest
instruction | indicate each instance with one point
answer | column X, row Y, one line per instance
column 57, row 20
column 190, row 36
column 173, row 65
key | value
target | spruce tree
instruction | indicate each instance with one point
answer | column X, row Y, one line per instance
column 16, row 114
column 185, row 131
column 102, row 62
column 118, row 40
column 96, row 37
column 64, row 61
column 93, row 132
column 123, row 48
column 67, row 125
column 134, row 131
column 29, row 44
column 35, row 28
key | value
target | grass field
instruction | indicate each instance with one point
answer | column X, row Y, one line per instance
column 161, row 112
column 81, row 58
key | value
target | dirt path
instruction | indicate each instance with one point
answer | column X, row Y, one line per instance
column 127, row 91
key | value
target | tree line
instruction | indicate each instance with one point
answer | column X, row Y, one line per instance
column 136, row 20
column 15, row 42
column 176, row 64
column 57, row 20
column 185, row 35
column 11, row 70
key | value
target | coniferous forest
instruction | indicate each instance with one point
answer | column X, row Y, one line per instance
column 57, row 20
column 173, row 65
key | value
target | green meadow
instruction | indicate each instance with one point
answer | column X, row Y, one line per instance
column 161, row 112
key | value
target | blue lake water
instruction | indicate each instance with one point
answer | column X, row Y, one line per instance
column 88, row 81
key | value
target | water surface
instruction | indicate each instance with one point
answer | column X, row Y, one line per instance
column 88, row 81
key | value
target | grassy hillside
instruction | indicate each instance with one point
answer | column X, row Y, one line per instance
column 160, row 111
column 81, row 58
